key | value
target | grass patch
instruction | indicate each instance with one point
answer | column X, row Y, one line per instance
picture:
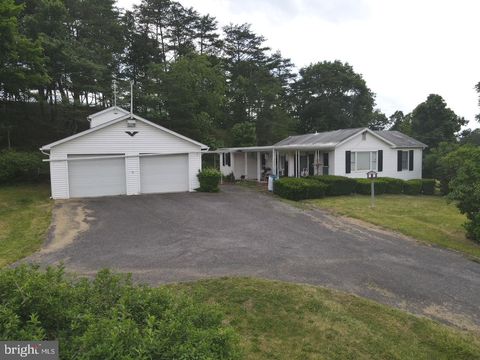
column 426, row 218
column 279, row 320
column 25, row 214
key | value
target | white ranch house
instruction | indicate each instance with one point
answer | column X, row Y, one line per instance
column 123, row 154
column 345, row 152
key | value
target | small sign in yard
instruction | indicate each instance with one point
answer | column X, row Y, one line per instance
column 372, row 175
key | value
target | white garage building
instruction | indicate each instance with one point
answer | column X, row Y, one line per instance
column 123, row 154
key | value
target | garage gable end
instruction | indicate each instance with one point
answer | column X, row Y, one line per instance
column 120, row 137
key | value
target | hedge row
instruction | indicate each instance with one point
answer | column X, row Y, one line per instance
column 314, row 187
column 299, row 188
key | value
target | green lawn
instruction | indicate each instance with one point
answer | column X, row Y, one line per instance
column 427, row 218
column 25, row 213
column 279, row 320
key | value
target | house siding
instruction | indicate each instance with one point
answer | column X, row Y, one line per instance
column 372, row 143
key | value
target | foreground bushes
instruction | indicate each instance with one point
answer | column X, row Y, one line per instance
column 109, row 318
column 209, row 179
column 299, row 188
column 21, row 166
column 364, row 186
column 337, row 185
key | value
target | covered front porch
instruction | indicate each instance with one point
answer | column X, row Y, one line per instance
column 257, row 163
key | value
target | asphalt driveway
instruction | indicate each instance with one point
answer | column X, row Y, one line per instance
column 178, row 237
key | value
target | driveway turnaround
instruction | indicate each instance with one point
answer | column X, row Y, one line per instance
column 242, row 232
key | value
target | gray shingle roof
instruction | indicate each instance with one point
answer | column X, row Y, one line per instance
column 332, row 138
column 399, row 139
column 321, row 138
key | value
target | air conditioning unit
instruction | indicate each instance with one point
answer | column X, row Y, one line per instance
column 131, row 123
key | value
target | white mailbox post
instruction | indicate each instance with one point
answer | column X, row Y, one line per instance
column 372, row 175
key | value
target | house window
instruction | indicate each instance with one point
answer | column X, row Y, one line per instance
column 404, row 160
column 363, row 160
column 227, row 159
column 364, row 136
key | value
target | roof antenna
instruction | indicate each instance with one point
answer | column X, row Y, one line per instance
column 131, row 99
column 115, row 93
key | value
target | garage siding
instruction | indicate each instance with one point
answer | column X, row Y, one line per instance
column 114, row 139
column 59, row 179
column 132, row 169
column 195, row 165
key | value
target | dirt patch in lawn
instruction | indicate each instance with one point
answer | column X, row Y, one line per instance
column 441, row 312
column 69, row 219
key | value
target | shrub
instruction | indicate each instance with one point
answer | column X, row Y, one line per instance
column 413, row 187
column 229, row 178
column 364, row 186
column 21, row 166
column 465, row 190
column 428, row 186
column 109, row 317
column 336, row 185
column 299, row 188
column 209, row 179
column 394, row 186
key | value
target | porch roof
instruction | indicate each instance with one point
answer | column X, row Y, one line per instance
column 275, row 147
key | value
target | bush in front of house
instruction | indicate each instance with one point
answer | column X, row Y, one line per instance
column 209, row 179
column 364, row 186
column 412, row 187
column 21, row 167
column 299, row 188
column 428, row 186
column 393, row 186
column 109, row 317
column 336, row 185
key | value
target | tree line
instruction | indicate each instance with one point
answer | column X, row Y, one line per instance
column 221, row 86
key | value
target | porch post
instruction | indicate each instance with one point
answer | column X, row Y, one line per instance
column 246, row 165
column 297, row 154
column 259, row 166
column 274, row 167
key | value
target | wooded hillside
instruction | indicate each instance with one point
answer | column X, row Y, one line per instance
column 220, row 86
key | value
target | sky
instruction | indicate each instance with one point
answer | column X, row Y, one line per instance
column 404, row 49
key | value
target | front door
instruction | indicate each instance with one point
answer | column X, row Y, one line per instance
column 311, row 165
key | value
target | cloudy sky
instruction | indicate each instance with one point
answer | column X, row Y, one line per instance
column 405, row 49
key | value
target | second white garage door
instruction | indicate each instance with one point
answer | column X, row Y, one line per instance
column 162, row 174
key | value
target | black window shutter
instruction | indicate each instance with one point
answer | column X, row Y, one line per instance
column 399, row 160
column 223, row 159
column 410, row 160
column 380, row 160
column 348, row 159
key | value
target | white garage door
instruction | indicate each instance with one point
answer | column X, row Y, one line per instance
column 96, row 177
column 162, row 174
